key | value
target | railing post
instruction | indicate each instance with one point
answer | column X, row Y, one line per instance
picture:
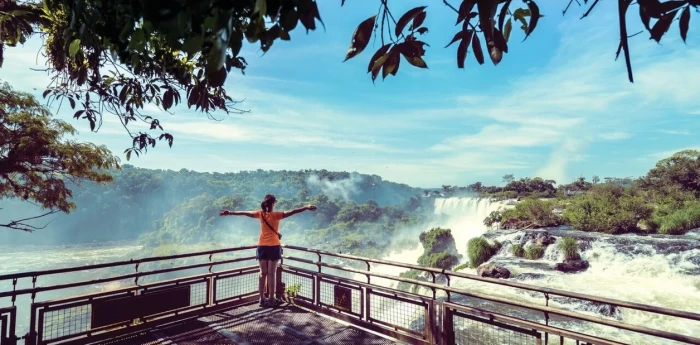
column 13, row 327
column 368, row 305
column 432, row 329
column 448, row 331
column 280, row 285
column 14, row 288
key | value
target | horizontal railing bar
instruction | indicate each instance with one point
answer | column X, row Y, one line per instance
column 115, row 278
column 184, row 280
column 629, row 327
column 386, row 290
column 525, row 323
column 550, row 291
column 120, row 263
column 96, row 295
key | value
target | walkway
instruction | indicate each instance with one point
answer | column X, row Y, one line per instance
column 250, row 325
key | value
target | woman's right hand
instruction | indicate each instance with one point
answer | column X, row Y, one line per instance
column 311, row 207
column 225, row 213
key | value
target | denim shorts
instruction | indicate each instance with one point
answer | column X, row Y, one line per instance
column 269, row 253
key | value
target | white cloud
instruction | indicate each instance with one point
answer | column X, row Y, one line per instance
column 616, row 135
column 500, row 136
column 674, row 132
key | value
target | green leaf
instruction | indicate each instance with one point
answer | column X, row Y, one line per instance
column 464, row 10
column 534, row 17
column 378, row 58
column 407, row 17
column 458, row 36
column 128, row 155
column 684, row 23
column 661, row 26
column 138, row 40
column 502, row 15
column 360, row 38
column 507, row 30
column 476, row 48
column 74, row 46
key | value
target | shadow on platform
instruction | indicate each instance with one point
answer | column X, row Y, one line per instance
column 251, row 325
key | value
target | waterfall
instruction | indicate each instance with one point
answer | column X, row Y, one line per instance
column 465, row 217
column 663, row 271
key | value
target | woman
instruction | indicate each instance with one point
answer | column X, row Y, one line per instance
column 269, row 246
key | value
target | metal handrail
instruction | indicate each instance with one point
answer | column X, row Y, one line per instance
column 547, row 310
column 430, row 285
column 120, row 263
column 532, row 325
column 115, row 278
column 544, row 290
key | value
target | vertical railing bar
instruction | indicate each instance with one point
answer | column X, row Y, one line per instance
column 369, row 268
column 368, row 305
column 319, row 262
column 40, row 335
column 13, row 326
column 14, row 288
column 3, row 329
column 546, row 318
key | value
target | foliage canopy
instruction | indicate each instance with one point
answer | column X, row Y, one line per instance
column 36, row 160
column 115, row 57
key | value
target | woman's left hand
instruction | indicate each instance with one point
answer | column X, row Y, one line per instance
column 225, row 213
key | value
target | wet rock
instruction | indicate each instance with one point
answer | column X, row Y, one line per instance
column 528, row 276
column 571, row 266
column 541, row 238
column 608, row 310
column 493, row 271
column 598, row 308
column 544, row 239
column 584, row 244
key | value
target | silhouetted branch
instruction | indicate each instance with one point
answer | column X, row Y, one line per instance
column 22, row 226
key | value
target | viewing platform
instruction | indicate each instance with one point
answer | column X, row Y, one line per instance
column 251, row 324
column 333, row 299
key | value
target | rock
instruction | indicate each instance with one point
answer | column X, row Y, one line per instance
column 598, row 308
column 541, row 238
column 493, row 271
column 527, row 276
column 544, row 239
column 570, row 266
column 609, row 310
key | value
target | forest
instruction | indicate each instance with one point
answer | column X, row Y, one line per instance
column 359, row 214
column 663, row 201
column 164, row 207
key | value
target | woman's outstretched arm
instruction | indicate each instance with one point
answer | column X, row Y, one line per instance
column 237, row 213
column 298, row 210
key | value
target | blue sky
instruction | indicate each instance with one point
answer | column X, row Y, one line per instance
column 558, row 105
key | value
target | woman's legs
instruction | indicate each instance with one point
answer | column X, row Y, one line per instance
column 264, row 264
column 272, row 277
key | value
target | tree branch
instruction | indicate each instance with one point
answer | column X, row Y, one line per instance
column 591, row 9
column 20, row 225
column 450, row 6
column 623, row 5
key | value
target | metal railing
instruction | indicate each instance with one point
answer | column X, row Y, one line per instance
column 8, row 317
column 403, row 315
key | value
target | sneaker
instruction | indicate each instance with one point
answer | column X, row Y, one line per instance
column 273, row 302
column 264, row 303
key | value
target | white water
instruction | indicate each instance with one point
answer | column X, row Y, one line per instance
column 644, row 277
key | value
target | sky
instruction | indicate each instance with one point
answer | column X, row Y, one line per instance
column 558, row 105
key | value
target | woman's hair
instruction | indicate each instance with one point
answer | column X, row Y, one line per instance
column 266, row 204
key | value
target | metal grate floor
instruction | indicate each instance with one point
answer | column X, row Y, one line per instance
column 252, row 325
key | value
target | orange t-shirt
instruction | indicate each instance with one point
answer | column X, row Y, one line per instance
column 267, row 237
